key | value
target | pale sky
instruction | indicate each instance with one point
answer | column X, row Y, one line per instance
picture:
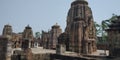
column 42, row 14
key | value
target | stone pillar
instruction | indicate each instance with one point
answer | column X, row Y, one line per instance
column 28, row 34
column 3, row 48
column 9, row 51
column 60, row 49
column 29, row 44
column 29, row 54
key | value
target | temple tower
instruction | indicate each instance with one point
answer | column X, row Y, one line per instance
column 55, row 32
column 7, row 30
column 49, row 38
column 114, row 37
column 28, row 36
column 80, row 27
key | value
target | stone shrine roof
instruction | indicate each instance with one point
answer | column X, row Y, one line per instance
column 79, row 1
column 7, row 25
column 115, row 24
column 55, row 26
column 28, row 27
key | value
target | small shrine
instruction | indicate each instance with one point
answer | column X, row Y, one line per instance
column 114, row 37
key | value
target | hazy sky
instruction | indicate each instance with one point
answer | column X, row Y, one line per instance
column 42, row 14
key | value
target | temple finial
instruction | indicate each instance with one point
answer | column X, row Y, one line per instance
column 56, row 23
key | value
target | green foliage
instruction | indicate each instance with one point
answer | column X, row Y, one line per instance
column 100, row 29
column 107, row 22
column 37, row 34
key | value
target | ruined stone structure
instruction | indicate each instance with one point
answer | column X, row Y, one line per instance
column 28, row 35
column 16, row 40
column 45, row 39
column 22, row 55
column 3, row 48
column 49, row 38
column 80, row 27
column 7, row 30
column 114, row 37
column 13, row 37
column 62, row 44
column 55, row 32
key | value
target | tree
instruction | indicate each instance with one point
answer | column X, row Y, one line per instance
column 37, row 34
column 100, row 28
column 105, row 25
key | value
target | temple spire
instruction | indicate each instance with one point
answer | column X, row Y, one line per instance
column 79, row 20
column 81, row 0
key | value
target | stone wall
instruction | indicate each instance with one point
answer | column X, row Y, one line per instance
column 35, row 57
column 50, row 57
column 41, row 56
column 102, row 47
column 64, row 57
column 3, row 48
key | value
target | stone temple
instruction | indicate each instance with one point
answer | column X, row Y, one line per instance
column 78, row 42
column 49, row 39
column 114, row 37
column 80, row 28
column 28, row 35
column 7, row 30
